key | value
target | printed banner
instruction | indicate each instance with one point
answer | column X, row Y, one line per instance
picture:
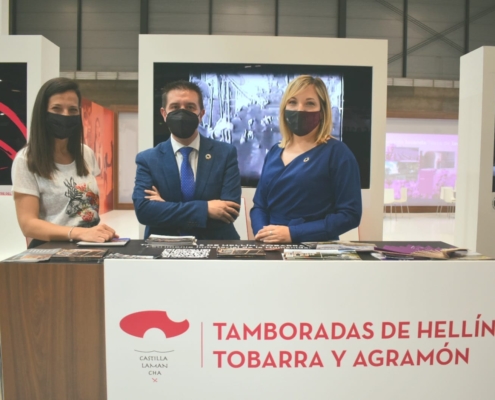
column 302, row 330
column 98, row 123
column 13, row 116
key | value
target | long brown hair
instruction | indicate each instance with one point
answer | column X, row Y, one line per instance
column 41, row 145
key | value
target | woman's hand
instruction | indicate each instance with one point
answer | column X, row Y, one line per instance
column 27, row 208
column 274, row 234
column 153, row 194
column 99, row 234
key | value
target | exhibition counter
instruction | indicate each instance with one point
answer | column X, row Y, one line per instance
column 247, row 328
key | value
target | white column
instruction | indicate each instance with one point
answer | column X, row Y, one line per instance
column 43, row 62
column 4, row 17
column 475, row 206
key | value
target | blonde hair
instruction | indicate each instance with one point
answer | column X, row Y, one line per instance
column 295, row 86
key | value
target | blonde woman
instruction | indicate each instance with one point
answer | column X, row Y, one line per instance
column 309, row 189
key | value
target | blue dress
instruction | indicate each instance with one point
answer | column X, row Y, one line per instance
column 317, row 195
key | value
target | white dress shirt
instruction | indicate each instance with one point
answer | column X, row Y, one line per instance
column 193, row 156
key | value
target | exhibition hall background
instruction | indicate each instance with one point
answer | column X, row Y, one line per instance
column 101, row 37
column 99, row 47
column 98, row 35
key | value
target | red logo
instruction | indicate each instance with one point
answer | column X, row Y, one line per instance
column 139, row 323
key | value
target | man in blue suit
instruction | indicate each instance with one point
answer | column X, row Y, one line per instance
column 188, row 185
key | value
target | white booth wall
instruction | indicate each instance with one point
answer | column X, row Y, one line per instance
column 42, row 58
column 277, row 50
column 475, row 213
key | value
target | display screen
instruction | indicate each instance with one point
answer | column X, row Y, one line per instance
column 421, row 163
column 242, row 107
column 13, row 133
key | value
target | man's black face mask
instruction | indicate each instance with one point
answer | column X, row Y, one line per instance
column 182, row 123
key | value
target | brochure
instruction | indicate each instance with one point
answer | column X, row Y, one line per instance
column 115, row 242
column 33, row 255
column 143, row 252
column 168, row 241
column 240, row 253
column 290, row 254
column 79, row 255
column 185, row 253
column 341, row 245
column 418, row 252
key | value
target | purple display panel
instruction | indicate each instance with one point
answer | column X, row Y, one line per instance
column 423, row 163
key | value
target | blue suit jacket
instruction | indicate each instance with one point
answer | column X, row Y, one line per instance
column 217, row 178
column 317, row 195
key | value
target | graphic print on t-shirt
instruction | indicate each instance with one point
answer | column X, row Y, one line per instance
column 83, row 202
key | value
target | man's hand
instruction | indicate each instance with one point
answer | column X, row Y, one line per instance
column 153, row 194
column 225, row 211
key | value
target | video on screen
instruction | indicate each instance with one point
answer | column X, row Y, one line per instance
column 242, row 107
column 437, row 159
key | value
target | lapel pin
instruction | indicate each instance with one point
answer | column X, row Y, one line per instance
column 306, row 159
column 208, row 156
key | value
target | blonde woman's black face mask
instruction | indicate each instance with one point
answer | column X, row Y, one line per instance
column 301, row 123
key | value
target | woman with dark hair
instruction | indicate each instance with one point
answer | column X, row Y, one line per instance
column 54, row 185
column 309, row 189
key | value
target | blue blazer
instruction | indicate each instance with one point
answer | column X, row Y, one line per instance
column 217, row 178
column 317, row 195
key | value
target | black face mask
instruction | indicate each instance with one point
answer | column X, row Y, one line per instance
column 301, row 123
column 63, row 126
column 182, row 123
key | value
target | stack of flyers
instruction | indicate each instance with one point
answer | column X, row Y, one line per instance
column 170, row 241
column 240, row 253
column 185, row 253
column 79, row 255
column 303, row 254
column 119, row 242
column 417, row 252
column 33, row 255
column 341, row 245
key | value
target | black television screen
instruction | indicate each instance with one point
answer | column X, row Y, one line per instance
column 13, row 104
column 242, row 107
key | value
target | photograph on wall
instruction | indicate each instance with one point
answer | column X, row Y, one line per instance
column 242, row 107
column 98, row 123
column 13, row 116
column 424, row 164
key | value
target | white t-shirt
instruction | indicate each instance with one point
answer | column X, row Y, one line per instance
column 67, row 199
